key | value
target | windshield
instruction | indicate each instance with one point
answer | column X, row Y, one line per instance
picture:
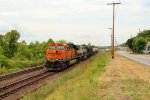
column 51, row 47
column 60, row 47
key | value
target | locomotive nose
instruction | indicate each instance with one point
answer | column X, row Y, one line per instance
column 53, row 53
column 56, row 52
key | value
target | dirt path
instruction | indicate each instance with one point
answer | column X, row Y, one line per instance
column 125, row 79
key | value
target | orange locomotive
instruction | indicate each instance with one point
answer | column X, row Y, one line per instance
column 59, row 56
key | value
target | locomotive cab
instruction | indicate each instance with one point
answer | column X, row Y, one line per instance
column 55, row 52
column 58, row 56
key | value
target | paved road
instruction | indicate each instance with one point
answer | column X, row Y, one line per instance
column 145, row 59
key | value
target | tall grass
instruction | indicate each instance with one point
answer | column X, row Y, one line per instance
column 17, row 64
column 80, row 83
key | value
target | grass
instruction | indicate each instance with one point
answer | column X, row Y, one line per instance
column 136, row 88
column 126, row 89
column 17, row 65
column 125, row 79
column 80, row 83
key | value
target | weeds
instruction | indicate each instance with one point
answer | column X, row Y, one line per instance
column 80, row 83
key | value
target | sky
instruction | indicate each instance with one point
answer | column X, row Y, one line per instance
column 78, row 21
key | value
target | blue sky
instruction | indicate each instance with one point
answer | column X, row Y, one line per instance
column 79, row 21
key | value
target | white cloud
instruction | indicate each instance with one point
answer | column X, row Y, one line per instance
column 80, row 21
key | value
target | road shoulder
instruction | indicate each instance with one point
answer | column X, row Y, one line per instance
column 125, row 79
column 145, row 59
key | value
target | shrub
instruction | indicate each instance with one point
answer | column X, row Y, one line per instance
column 139, row 44
column 3, row 61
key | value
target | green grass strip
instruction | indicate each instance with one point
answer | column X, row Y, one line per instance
column 80, row 83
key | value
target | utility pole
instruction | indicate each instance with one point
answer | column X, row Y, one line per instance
column 113, row 48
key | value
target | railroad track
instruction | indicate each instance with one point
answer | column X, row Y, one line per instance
column 19, row 85
column 11, row 91
column 38, row 76
column 12, row 75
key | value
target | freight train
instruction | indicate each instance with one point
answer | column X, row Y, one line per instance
column 59, row 55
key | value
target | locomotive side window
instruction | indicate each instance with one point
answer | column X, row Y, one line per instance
column 60, row 47
column 51, row 47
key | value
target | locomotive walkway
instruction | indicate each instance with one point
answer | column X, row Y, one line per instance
column 125, row 79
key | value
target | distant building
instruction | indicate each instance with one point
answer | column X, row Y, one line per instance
column 147, row 49
column 148, row 46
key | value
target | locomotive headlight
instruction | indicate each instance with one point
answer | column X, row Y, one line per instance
column 46, row 59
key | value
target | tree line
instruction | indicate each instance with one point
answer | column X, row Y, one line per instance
column 138, row 43
column 16, row 55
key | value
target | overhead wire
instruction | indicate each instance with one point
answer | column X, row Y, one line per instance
column 117, row 9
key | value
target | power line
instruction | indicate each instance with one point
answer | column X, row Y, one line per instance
column 117, row 9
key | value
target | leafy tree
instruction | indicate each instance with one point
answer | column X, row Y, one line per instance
column 70, row 43
column 1, row 50
column 1, row 40
column 145, row 33
column 14, row 54
column 139, row 44
column 10, row 43
column 44, row 47
column 50, row 40
column 129, row 43
column 37, row 49
column 62, row 41
column 147, row 39
column 3, row 59
column 23, row 52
